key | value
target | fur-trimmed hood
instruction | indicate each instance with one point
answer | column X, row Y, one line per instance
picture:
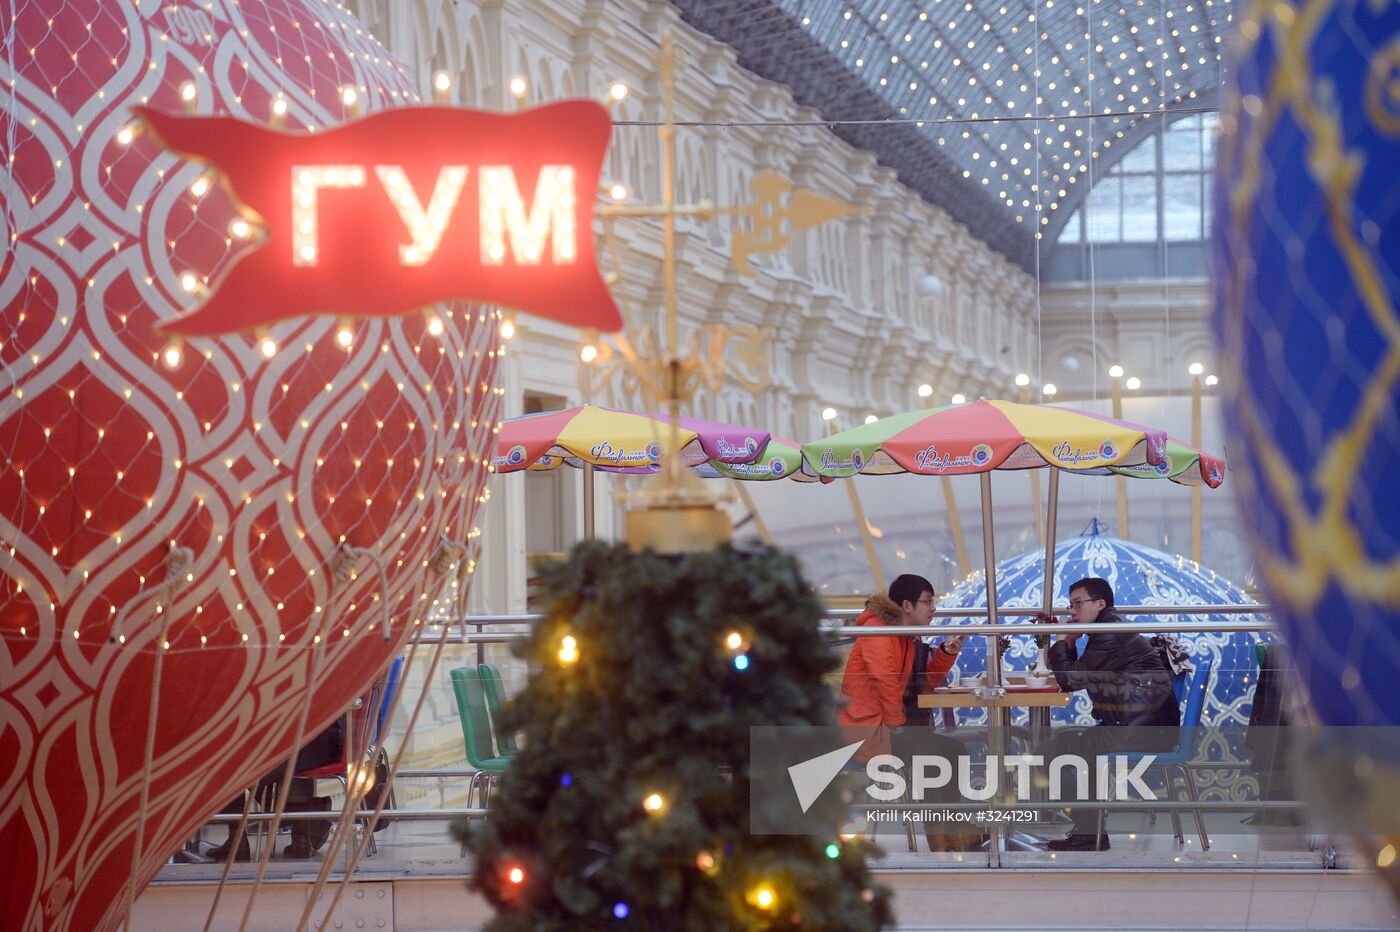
column 881, row 609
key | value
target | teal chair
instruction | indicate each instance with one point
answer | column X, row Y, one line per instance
column 468, row 687
column 495, row 699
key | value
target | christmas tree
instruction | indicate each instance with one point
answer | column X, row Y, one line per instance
column 628, row 803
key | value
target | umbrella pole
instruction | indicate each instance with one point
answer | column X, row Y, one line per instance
column 1052, row 514
column 587, row 501
column 995, row 713
column 753, row 512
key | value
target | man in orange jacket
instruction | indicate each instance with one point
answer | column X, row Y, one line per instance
column 879, row 669
column 878, row 678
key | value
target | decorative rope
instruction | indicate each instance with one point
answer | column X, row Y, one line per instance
column 340, row 560
column 177, row 563
column 177, row 570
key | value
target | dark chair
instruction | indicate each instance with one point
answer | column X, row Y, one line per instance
column 1179, row 760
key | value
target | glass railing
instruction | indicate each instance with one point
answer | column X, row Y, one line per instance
column 1224, row 803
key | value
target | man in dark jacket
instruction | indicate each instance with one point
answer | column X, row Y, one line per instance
column 1131, row 689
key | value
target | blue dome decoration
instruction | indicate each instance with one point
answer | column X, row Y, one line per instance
column 1140, row 576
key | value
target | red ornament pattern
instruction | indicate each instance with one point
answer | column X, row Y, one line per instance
column 232, row 513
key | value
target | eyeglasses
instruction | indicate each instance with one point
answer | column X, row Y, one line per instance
column 932, row 601
column 1075, row 603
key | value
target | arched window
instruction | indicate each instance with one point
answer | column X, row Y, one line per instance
column 1158, row 192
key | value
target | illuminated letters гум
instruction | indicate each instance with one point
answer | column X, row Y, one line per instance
column 502, row 211
column 402, row 209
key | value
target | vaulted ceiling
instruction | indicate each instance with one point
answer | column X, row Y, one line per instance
column 982, row 107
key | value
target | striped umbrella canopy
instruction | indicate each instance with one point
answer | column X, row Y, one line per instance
column 982, row 436
column 619, row 441
column 781, row 459
column 1184, row 465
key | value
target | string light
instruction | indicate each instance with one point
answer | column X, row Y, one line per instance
column 345, row 336
column 1133, row 383
column 125, row 135
column 507, row 329
column 442, row 82
column 568, row 650
column 925, row 390
column 268, row 347
column 618, row 91
column 425, row 225
column 654, row 802
column 307, row 180
column 551, row 216
column 518, row 87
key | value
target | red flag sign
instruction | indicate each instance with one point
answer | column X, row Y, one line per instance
column 404, row 209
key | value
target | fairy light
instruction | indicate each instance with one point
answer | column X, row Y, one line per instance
column 654, row 802
column 618, row 191
column 279, row 107
column 925, row 390
column 1132, row 383
column 442, row 82
column 1115, row 372
column 307, row 180
column 125, row 135
column 734, row 640
column 507, row 328
column 435, row 325
column 188, row 92
column 345, row 336
column 268, row 347
column 200, row 187
column 349, row 96
column 516, row 875
column 239, row 228
column 959, row 398
column 618, row 91
column 551, row 216
column 828, row 414
column 1022, row 379
column 764, row 897
column 568, row 650
column 189, row 281
column 425, row 224
column 172, row 356
column 1049, row 390
column 871, row 418
column 518, row 87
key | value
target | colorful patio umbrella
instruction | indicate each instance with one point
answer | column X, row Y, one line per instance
column 620, row 441
column 594, row 437
column 985, row 435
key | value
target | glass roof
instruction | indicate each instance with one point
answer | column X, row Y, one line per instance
column 992, row 96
